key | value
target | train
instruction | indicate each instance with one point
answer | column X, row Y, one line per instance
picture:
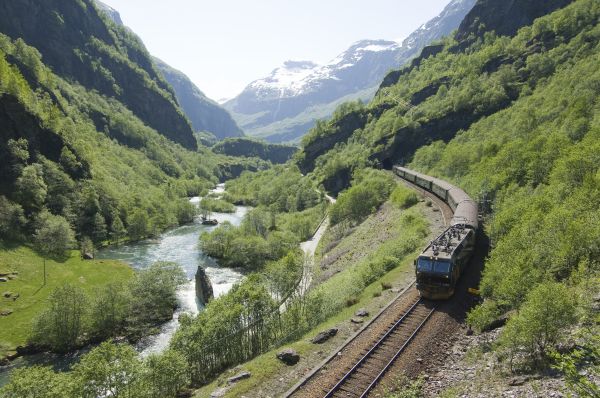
column 440, row 265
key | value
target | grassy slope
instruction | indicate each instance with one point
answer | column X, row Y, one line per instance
column 267, row 368
column 15, row 328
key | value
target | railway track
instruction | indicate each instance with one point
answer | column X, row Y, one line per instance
column 362, row 377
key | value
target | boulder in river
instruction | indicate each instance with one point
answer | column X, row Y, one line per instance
column 288, row 356
column 204, row 290
column 324, row 336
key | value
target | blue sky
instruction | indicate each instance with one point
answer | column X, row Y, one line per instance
column 224, row 45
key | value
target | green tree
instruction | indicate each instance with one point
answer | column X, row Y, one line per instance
column 12, row 219
column 19, row 151
column 109, row 309
column 548, row 310
column 154, row 290
column 109, row 370
column 99, row 230
column 62, row 323
column 139, row 226
column 53, row 235
column 31, row 190
column 117, row 229
column 165, row 374
column 86, row 246
column 38, row 382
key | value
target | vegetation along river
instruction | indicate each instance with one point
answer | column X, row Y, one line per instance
column 179, row 245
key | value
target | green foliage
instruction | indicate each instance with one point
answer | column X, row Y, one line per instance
column 248, row 320
column 53, row 234
column 282, row 188
column 106, row 169
column 12, row 219
column 61, row 325
column 248, row 147
column 109, row 309
column 165, row 374
column 153, row 292
column 581, row 365
column 37, row 382
column 549, row 309
column 109, row 370
column 216, row 205
column 404, row 197
column 31, row 190
column 369, row 190
column 73, row 317
column 289, row 209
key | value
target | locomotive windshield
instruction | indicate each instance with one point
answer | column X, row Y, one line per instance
column 428, row 265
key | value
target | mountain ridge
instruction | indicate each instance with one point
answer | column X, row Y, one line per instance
column 277, row 107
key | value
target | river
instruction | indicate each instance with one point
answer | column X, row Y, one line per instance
column 179, row 245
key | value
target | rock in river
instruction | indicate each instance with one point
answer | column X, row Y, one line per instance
column 204, row 290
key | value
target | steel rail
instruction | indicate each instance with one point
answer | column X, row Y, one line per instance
column 377, row 345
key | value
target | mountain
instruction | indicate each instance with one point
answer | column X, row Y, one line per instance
column 249, row 147
column 285, row 105
column 80, row 44
column 111, row 12
column 91, row 132
column 204, row 114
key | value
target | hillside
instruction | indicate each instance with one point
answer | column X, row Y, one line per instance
column 285, row 105
column 81, row 44
column 512, row 118
column 204, row 114
column 247, row 147
column 74, row 147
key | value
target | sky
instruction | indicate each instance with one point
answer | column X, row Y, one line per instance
column 223, row 45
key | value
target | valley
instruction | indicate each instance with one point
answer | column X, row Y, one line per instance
column 412, row 218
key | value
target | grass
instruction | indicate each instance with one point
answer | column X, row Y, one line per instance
column 29, row 285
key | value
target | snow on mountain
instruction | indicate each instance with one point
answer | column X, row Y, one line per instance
column 284, row 105
column 301, row 77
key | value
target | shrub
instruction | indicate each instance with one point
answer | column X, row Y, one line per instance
column 60, row 326
column 404, row 197
column 549, row 309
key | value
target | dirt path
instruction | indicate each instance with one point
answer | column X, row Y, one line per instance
column 309, row 248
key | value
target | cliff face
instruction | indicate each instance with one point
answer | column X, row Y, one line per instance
column 247, row 147
column 204, row 114
column 504, row 17
column 81, row 44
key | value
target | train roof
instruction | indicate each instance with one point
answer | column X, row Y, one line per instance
column 466, row 211
column 444, row 246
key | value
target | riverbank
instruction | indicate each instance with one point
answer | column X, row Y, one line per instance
column 24, row 294
column 113, row 263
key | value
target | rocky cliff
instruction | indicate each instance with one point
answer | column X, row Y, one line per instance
column 204, row 114
column 80, row 43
